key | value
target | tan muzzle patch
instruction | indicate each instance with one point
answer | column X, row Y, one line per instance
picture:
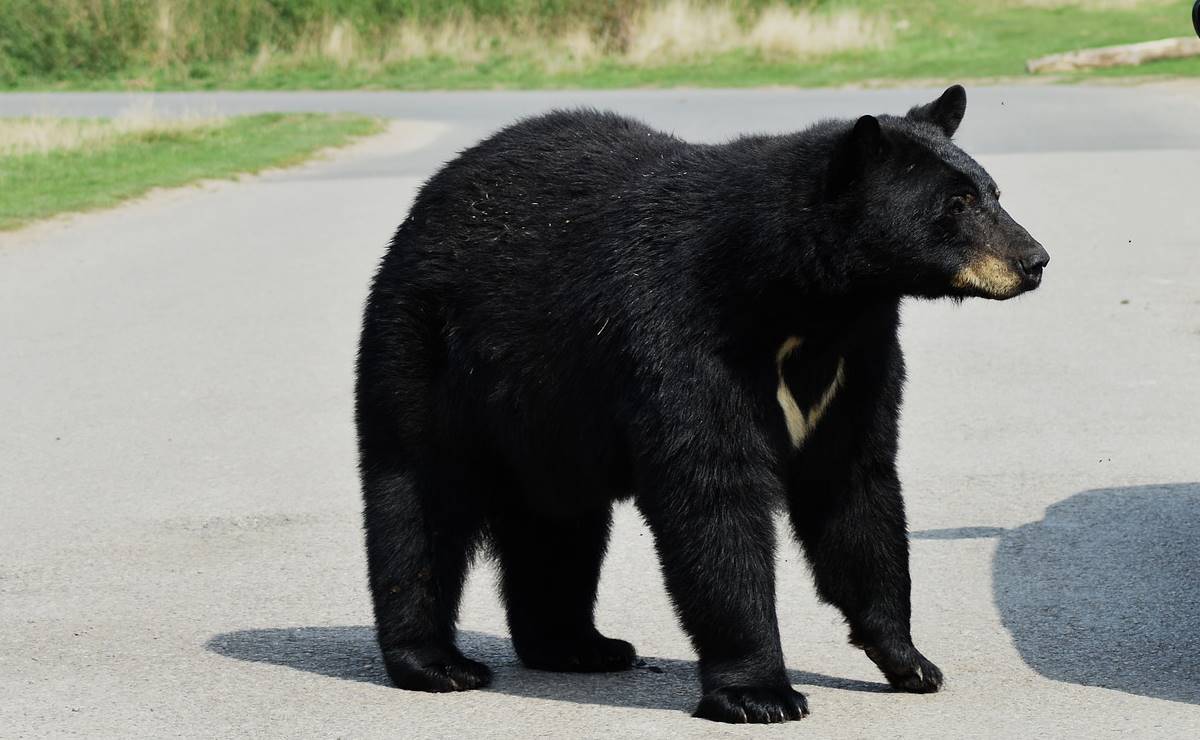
column 990, row 276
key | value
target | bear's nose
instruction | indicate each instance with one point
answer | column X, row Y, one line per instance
column 1033, row 264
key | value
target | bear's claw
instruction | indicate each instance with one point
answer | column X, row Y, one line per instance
column 907, row 670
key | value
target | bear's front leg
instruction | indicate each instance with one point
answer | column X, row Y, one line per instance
column 710, row 513
column 856, row 541
column 845, row 504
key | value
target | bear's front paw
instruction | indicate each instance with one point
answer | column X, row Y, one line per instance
column 906, row 669
column 591, row 654
column 758, row 704
column 436, row 669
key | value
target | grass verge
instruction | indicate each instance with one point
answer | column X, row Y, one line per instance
column 474, row 44
column 50, row 166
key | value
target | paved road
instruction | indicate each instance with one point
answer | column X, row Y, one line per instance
column 181, row 553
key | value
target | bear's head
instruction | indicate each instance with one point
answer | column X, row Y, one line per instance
column 927, row 218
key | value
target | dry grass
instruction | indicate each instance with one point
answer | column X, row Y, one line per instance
column 662, row 33
column 684, row 30
column 681, row 29
column 43, row 135
column 463, row 37
column 789, row 33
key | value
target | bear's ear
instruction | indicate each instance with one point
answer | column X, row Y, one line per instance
column 863, row 145
column 867, row 137
column 946, row 112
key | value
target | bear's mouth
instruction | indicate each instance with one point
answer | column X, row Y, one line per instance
column 997, row 278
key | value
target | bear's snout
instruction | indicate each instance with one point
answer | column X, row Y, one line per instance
column 1032, row 265
column 1001, row 278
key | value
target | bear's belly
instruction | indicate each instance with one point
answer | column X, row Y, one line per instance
column 808, row 383
column 564, row 464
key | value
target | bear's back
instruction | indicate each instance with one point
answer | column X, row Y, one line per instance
column 540, row 212
column 551, row 165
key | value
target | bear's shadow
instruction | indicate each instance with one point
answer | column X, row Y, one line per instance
column 1105, row 589
column 350, row 653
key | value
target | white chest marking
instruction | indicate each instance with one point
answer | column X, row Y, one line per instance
column 801, row 422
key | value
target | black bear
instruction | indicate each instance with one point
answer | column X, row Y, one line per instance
column 582, row 309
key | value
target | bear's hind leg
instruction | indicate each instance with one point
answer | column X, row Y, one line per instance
column 421, row 507
column 418, row 548
column 550, row 569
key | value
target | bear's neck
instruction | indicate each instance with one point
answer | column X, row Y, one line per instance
column 783, row 265
column 766, row 219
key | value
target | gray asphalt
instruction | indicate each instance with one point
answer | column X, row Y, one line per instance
column 179, row 526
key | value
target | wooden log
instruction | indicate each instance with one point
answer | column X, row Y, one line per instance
column 1116, row 56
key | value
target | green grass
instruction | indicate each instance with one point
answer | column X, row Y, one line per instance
column 934, row 40
column 38, row 185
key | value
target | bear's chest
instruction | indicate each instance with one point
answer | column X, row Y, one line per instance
column 810, row 375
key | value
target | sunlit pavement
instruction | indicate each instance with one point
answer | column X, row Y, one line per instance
column 179, row 505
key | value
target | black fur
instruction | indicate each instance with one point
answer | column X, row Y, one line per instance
column 582, row 309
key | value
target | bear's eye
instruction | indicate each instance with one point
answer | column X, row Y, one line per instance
column 961, row 203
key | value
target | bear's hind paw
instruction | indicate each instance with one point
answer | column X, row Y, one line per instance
column 435, row 669
column 594, row 654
